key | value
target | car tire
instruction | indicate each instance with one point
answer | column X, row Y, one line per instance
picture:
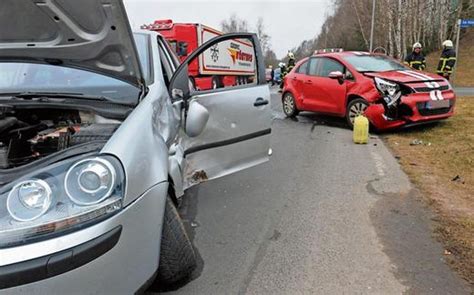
column 289, row 105
column 354, row 108
column 177, row 257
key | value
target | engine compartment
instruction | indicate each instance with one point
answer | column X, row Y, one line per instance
column 29, row 134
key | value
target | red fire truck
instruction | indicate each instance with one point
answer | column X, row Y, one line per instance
column 228, row 64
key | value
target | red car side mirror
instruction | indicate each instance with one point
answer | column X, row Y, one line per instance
column 337, row 75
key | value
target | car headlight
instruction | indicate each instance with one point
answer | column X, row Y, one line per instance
column 390, row 91
column 62, row 197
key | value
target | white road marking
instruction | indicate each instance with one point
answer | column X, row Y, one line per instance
column 379, row 163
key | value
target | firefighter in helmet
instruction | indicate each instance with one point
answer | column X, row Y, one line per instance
column 416, row 59
column 447, row 60
column 289, row 66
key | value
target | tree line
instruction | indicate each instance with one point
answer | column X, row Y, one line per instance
column 398, row 25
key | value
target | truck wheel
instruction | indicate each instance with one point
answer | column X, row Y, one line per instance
column 355, row 108
column 177, row 257
column 215, row 82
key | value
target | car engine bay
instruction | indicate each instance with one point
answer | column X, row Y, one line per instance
column 29, row 134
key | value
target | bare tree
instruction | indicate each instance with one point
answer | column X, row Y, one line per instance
column 234, row 24
column 263, row 37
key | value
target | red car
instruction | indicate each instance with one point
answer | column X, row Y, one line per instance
column 346, row 84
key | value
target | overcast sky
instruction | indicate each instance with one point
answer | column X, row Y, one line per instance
column 287, row 22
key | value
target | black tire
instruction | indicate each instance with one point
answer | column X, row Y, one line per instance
column 216, row 83
column 289, row 105
column 354, row 108
column 177, row 257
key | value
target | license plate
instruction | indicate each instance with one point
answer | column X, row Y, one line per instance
column 437, row 104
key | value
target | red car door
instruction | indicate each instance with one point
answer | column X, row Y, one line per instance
column 298, row 78
column 324, row 94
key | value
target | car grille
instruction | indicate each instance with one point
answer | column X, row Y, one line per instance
column 432, row 112
column 427, row 89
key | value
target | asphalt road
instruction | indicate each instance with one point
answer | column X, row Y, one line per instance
column 324, row 216
column 464, row 91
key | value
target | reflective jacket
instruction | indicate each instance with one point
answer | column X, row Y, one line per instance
column 446, row 61
column 416, row 61
column 291, row 65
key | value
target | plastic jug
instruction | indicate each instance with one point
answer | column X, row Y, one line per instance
column 361, row 130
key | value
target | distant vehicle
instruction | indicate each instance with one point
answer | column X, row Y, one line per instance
column 98, row 147
column 277, row 76
column 268, row 75
column 213, row 70
column 348, row 84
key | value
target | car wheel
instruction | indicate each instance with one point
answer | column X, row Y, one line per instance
column 177, row 257
column 355, row 108
column 289, row 105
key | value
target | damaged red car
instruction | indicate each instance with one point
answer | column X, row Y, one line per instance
column 347, row 84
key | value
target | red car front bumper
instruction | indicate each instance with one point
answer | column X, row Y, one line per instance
column 413, row 109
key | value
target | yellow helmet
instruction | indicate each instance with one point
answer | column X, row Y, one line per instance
column 291, row 55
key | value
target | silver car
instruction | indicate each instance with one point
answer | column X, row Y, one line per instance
column 101, row 133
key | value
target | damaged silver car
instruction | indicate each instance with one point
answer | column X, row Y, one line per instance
column 101, row 133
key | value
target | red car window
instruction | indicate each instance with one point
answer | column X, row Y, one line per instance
column 330, row 65
column 313, row 66
column 302, row 68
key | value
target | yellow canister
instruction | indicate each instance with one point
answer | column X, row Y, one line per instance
column 361, row 130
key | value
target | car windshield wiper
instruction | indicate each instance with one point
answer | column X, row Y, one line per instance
column 46, row 95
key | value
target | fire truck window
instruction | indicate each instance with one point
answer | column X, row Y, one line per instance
column 329, row 65
column 182, row 49
column 227, row 64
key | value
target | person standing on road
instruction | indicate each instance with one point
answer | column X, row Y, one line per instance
column 447, row 60
column 282, row 73
column 272, row 75
column 416, row 60
column 288, row 68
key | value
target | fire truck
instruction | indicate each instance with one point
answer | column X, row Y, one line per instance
column 229, row 63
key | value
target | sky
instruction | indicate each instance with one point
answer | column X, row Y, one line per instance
column 287, row 22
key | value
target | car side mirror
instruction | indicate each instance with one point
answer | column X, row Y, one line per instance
column 337, row 75
column 196, row 119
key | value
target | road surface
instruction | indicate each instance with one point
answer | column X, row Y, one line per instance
column 324, row 216
column 464, row 91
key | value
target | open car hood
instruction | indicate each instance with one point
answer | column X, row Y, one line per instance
column 93, row 35
column 408, row 76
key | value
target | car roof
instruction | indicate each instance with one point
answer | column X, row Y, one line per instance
column 347, row 53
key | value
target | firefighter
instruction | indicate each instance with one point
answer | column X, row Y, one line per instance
column 291, row 62
column 282, row 67
column 447, row 60
column 289, row 67
column 416, row 59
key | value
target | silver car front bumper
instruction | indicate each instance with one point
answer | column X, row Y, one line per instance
column 124, row 248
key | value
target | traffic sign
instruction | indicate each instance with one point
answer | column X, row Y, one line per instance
column 466, row 23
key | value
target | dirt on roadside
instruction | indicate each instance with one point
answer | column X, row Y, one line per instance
column 439, row 159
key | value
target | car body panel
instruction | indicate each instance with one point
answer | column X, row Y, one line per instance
column 154, row 150
column 330, row 97
column 245, row 120
column 90, row 35
column 116, row 271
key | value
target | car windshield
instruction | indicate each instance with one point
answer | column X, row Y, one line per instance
column 374, row 63
column 17, row 77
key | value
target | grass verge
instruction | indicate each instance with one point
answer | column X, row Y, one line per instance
column 439, row 159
